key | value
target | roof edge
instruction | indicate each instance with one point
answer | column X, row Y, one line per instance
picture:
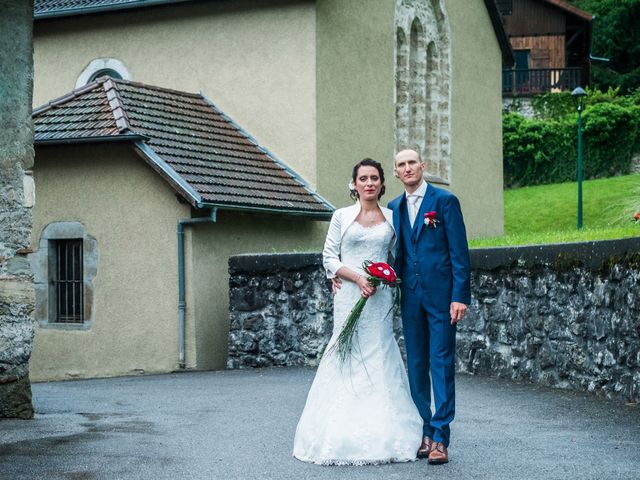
column 273, row 157
column 98, row 139
column 70, row 12
column 162, row 167
column 508, row 58
column 571, row 9
column 304, row 213
column 65, row 98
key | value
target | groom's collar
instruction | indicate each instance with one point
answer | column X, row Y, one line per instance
column 420, row 191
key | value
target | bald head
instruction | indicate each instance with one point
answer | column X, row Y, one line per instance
column 408, row 154
column 409, row 167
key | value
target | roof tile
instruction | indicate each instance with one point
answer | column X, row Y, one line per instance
column 218, row 160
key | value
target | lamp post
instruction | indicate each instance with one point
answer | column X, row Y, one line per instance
column 579, row 94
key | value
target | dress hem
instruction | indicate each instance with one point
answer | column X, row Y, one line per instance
column 355, row 463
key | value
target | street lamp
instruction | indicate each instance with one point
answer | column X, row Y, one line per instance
column 579, row 94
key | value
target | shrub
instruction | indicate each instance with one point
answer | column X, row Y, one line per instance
column 544, row 150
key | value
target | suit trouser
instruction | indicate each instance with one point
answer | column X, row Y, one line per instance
column 430, row 344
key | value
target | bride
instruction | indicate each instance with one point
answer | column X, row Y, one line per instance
column 360, row 412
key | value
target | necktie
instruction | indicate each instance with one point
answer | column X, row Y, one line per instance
column 413, row 208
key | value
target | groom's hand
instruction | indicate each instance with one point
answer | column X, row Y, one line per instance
column 457, row 311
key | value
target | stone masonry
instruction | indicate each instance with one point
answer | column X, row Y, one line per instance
column 565, row 316
column 17, row 197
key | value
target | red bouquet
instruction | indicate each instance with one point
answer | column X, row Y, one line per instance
column 378, row 274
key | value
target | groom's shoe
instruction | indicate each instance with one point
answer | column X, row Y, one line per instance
column 425, row 447
column 438, row 454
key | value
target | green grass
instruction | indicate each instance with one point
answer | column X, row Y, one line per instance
column 548, row 213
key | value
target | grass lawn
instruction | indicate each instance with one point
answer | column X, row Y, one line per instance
column 548, row 213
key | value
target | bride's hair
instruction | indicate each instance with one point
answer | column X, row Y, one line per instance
column 366, row 162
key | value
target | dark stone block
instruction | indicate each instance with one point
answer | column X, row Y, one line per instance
column 15, row 399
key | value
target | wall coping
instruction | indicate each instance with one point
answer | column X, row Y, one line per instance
column 590, row 255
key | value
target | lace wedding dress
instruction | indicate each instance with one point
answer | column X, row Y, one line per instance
column 361, row 412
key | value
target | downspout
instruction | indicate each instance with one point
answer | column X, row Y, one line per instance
column 182, row 304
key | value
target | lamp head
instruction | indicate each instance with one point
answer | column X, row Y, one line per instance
column 579, row 94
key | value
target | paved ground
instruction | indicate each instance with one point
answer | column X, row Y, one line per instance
column 240, row 425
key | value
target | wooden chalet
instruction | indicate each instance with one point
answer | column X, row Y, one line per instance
column 551, row 40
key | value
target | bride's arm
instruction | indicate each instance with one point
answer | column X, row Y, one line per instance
column 331, row 258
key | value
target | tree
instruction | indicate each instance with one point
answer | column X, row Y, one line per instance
column 616, row 36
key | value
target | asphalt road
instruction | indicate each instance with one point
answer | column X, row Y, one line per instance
column 240, row 425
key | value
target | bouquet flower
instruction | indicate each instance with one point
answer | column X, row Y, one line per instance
column 378, row 274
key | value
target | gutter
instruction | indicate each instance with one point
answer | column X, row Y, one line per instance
column 182, row 304
column 304, row 213
column 102, row 139
column 68, row 12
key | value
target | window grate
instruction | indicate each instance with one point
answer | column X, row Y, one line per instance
column 68, row 281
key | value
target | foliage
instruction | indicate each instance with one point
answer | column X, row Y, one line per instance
column 548, row 213
column 616, row 36
column 544, row 150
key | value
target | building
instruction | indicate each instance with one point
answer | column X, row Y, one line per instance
column 318, row 84
column 551, row 41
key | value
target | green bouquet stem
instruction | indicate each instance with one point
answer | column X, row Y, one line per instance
column 344, row 345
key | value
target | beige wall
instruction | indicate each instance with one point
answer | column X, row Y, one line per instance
column 132, row 214
column 255, row 59
column 208, row 276
column 476, row 149
column 355, row 102
column 356, row 109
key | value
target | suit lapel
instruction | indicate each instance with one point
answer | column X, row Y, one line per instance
column 426, row 206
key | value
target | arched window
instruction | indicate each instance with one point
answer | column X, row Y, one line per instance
column 105, row 72
column 100, row 67
column 423, row 94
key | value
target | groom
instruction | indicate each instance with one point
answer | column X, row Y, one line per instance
column 432, row 259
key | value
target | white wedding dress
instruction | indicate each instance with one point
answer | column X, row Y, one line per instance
column 361, row 412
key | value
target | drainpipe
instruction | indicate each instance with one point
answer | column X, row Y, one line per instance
column 182, row 304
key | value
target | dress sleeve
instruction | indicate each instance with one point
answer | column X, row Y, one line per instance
column 331, row 252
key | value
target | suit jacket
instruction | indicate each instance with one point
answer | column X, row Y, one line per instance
column 340, row 221
column 439, row 257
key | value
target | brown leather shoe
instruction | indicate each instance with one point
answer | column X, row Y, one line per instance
column 438, row 454
column 425, row 447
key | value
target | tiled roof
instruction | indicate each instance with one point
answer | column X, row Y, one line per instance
column 63, row 8
column 200, row 151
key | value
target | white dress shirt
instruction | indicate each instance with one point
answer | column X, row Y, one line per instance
column 414, row 200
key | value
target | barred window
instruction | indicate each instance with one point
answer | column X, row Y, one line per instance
column 67, row 281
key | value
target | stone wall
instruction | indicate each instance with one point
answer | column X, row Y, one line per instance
column 16, row 201
column 566, row 316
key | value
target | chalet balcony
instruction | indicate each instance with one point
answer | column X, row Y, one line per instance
column 531, row 81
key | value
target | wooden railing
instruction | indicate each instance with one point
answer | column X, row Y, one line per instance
column 540, row 80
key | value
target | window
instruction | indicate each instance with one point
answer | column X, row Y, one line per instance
column 67, row 280
column 101, row 67
column 105, row 72
column 64, row 268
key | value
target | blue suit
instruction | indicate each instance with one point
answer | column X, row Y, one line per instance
column 434, row 265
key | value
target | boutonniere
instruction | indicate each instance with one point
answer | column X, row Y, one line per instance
column 430, row 219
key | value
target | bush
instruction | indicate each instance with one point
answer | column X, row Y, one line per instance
column 544, row 150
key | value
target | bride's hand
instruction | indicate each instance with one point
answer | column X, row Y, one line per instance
column 366, row 289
